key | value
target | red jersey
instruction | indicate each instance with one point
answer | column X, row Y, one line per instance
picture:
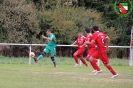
column 99, row 39
column 80, row 41
column 89, row 38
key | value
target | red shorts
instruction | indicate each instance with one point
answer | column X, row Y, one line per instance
column 91, row 51
column 103, row 56
column 80, row 52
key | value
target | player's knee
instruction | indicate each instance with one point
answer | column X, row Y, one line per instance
column 91, row 59
column 43, row 53
column 106, row 64
column 80, row 57
column 75, row 54
column 88, row 59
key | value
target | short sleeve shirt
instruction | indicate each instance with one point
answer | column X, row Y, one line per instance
column 99, row 38
column 80, row 41
column 51, row 43
column 89, row 38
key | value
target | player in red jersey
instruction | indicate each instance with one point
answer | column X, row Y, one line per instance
column 91, row 49
column 101, row 41
column 79, row 53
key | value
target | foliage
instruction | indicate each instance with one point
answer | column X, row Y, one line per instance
column 17, row 21
column 121, row 24
column 63, row 19
column 24, row 21
column 65, row 22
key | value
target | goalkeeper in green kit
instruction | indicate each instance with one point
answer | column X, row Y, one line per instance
column 50, row 48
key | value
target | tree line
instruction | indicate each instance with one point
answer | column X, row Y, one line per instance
column 24, row 21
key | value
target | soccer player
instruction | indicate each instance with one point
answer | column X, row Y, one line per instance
column 91, row 49
column 80, row 51
column 101, row 41
column 50, row 48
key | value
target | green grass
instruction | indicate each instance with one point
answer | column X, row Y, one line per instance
column 16, row 73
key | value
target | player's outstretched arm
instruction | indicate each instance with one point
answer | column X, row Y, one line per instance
column 107, row 42
column 87, row 42
column 74, row 43
column 44, row 37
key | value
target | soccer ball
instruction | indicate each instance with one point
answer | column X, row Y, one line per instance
column 32, row 54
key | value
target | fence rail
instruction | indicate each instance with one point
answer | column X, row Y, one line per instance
column 59, row 45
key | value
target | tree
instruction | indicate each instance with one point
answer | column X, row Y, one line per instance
column 122, row 25
column 18, row 21
column 65, row 22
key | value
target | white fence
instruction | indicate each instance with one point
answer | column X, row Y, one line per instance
column 30, row 48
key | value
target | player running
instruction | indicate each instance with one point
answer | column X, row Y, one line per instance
column 50, row 48
column 79, row 53
column 91, row 49
column 101, row 41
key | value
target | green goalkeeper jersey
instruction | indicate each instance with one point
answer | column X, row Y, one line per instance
column 51, row 43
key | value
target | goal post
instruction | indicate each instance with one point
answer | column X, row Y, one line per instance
column 29, row 53
column 131, row 49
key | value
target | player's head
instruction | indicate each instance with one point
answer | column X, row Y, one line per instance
column 48, row 32
column 95, row 28
column 80, row 33
column 87, row 30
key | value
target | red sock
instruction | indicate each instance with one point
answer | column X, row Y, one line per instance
column 94, row 65
column 76, row 59
column 96, row 60
column 83, row 61
column 111, row 70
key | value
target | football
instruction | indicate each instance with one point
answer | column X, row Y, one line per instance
column 32, row 54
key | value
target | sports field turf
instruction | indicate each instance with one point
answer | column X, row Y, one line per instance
column 16, row 73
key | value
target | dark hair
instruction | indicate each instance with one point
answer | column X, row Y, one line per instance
column 48, row 30
column 95, row 28
column 87, row 30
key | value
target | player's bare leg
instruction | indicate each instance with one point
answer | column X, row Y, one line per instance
column 106, row 62
column 111, row 70
column 76, row 59
column 94, row 65
column 54, row 61
column 36, row 59
column 87, row 58
column 98, row 63
column 83, row 61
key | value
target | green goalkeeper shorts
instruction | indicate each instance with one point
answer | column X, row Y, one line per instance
column 51, row 51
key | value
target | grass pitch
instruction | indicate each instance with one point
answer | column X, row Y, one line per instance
column 16, row 73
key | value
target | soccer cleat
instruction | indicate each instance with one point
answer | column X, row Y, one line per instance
column 35, row 59
column 97, row 72
column 94, row 70
column 98, row 62
column 76, row 65
column 114, row 76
